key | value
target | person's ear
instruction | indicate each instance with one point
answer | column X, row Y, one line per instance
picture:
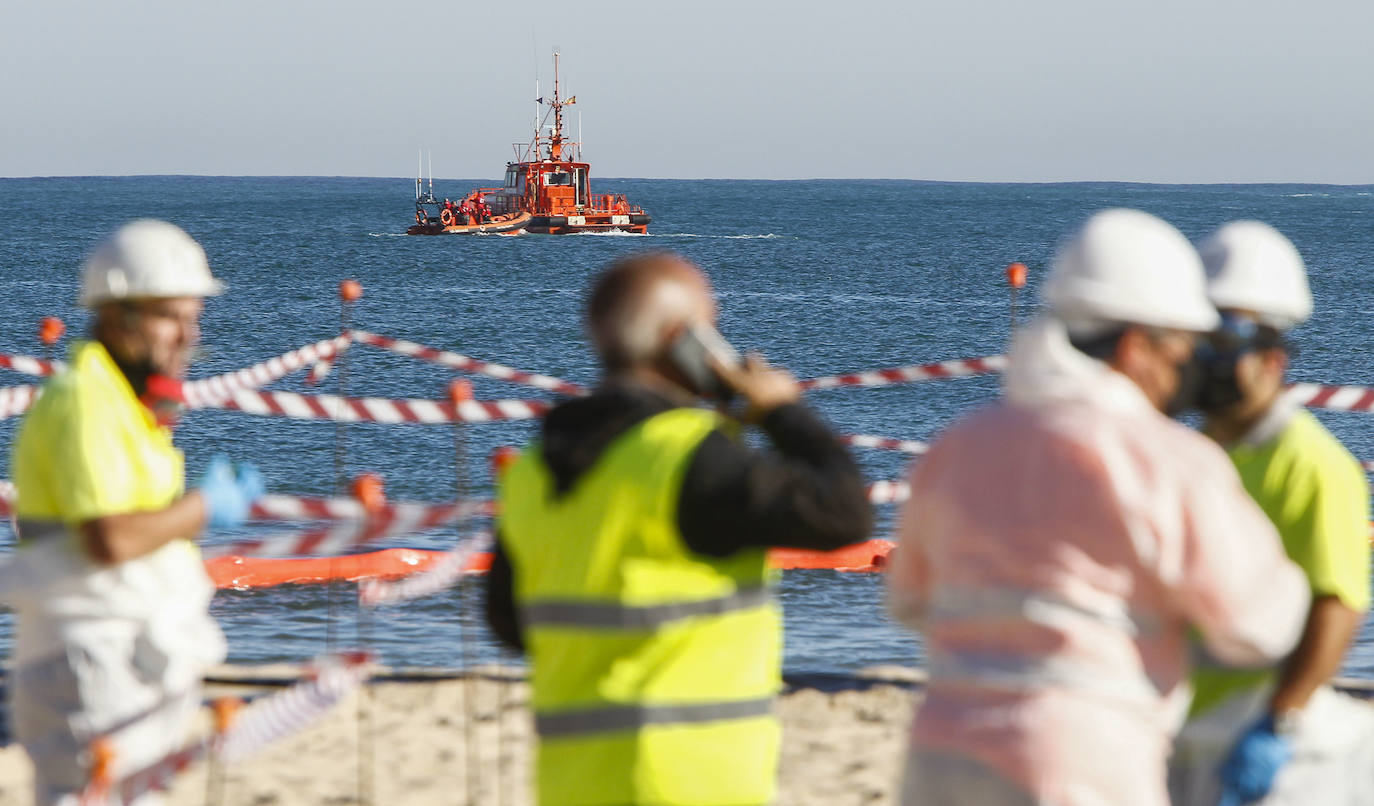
column 1130, row 347
column 1276, row 360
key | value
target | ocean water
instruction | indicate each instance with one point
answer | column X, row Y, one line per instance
column 821, row 276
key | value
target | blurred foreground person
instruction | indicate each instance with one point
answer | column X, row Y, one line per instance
column 1058, row 546
column 111, row 595
column 631, row 563
column 1284, row 734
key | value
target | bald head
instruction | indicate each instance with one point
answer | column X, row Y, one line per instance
column 641, row 302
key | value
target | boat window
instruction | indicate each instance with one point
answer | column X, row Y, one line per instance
column 581, row 186
column 510, row 178
column 558, row 178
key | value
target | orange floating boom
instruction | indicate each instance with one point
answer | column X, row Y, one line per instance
column 243, row 573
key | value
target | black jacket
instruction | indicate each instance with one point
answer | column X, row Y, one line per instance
column 807, row 494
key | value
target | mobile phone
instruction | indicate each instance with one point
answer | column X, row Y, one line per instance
column 689, row 353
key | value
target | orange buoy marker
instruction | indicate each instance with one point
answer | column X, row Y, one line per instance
column 460, row 391
column 370, row 491
column 102, row 770
column 1016, row 278
column 350, row 290
column 502, row 458
column 50, row 330
column 226, row 712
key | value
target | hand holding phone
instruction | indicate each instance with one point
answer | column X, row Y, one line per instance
column 715, row 369
column 702, row 356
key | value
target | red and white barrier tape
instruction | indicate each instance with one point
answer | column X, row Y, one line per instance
column 885, row 443
column 888, row 492
column 283, row 714
column 15, row 400
column 439, row 576
column 155, row 777
column 321, row 370
column 267, row 720
column 468, row 364
column 298, row 508
column 1336, row 398
column 338, row 538
column 30, row 365
column 918, row 372
column 208, row 391
column 379, row 410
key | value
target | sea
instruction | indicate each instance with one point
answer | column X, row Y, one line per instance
column 821, row 277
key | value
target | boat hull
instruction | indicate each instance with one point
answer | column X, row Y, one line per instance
column 498, row 225
column 572, row 224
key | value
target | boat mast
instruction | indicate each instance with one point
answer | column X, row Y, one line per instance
column 556, row 142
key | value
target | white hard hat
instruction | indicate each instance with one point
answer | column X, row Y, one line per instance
column 146, row 258
column 1129, row 266
column 1252, row 266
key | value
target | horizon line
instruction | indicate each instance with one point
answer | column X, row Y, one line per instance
column 717, row 179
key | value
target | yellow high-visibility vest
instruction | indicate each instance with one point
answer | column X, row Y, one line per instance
column 654, row 668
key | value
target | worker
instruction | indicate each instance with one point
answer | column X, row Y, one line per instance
column 1057, row 547
column 112, row 598
column 630, row 562
column 1285, row 733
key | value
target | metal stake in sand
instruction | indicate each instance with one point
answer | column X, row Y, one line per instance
column 225, row 711
column 350, row 291
column 1016, row 279
column 50, row 331
column 501, row 459
column 460, row 392
column 370, row 491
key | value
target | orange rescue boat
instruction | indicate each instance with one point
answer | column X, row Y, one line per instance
column 547, row 190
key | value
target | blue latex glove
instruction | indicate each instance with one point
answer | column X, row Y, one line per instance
column 229, row 495
column 1254, row 763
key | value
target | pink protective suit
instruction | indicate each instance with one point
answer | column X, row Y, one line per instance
column 1055, row 551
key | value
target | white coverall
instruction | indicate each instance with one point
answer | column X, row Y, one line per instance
column 1055, row 552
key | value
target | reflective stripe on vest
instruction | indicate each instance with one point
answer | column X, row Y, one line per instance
column 31, row 531
column 1018, row 672
column 1041, row 607
column 1014, row 673
column 569, row 613
column 634, row 717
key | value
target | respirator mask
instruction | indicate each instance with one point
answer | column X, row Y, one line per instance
column 1219, row 353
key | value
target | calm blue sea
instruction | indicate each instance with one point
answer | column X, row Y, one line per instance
column 821, row 276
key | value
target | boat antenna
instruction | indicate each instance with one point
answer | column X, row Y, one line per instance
column 419, row 170
column 431, row 174
column 579, row 135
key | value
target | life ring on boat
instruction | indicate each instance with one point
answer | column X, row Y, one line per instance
column 446, row 217
column 421, row 218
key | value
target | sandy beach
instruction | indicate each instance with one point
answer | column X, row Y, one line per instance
column 842, row 744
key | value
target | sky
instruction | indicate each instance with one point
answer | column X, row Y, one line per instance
column 966, row 90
